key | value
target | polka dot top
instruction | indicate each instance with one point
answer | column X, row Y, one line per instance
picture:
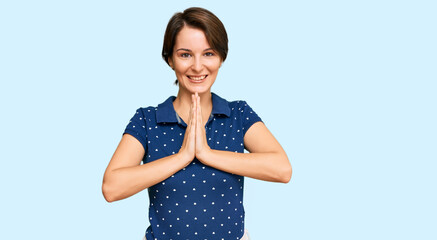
column 197, row 202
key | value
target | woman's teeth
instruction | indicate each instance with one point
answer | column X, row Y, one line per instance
column 197, row 78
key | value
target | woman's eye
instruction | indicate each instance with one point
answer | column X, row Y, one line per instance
column 209, row 54
column 185, row 55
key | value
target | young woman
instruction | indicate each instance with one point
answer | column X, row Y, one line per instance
column 192, row 145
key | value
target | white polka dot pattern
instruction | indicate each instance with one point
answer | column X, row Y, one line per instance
column 198, row 202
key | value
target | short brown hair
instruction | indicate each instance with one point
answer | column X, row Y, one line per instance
column 202, row 19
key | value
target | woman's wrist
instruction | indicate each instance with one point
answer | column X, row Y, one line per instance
column 184, row 157
column 204, row 155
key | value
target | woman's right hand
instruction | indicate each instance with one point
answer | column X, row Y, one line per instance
column 188, row 148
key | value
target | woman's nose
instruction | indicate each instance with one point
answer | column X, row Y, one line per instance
column 197, row 64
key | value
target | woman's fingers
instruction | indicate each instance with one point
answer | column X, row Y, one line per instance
column 191, row 112
column 193, row 116
column 193, row 125
column 188, row 147
column 199, row 111
column 202, row 148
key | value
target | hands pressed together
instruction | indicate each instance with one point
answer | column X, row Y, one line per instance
column 195, row 144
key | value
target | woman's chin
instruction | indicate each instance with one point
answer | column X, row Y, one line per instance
column 199, row 89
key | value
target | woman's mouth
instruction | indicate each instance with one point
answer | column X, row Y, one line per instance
column 197, row 78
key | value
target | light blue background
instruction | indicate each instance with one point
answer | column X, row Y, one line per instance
column 347, row 87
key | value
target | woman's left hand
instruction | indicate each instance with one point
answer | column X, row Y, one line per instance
column 202, row 147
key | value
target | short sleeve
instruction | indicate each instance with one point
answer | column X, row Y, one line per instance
column 249, row 116
column 137, row 127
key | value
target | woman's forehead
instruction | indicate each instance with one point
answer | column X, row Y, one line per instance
column 191, row 38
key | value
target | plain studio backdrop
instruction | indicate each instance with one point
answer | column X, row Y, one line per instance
column 347, row 87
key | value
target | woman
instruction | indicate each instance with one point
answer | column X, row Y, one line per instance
column 192, row 145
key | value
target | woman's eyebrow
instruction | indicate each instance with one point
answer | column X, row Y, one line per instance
column 184, row 49
column 188, row 50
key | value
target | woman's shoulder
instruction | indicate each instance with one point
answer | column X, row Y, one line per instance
column 151, row 109
column 232, row 103
column 240, row 103
column 243, row 109
column 145, row 110
column 237, row 105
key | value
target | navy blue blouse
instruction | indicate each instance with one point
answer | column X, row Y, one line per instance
column 197, row 202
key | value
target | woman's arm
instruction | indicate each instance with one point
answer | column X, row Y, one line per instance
column 124, row 175
column 267, row 160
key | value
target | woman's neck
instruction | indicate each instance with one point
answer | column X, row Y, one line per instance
column 183, row 102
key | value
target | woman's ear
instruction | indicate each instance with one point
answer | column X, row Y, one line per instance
column 170, row 63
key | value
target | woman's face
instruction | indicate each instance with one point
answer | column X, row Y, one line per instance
column 196, row 65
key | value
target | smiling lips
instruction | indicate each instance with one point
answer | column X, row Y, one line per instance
column 197, row 78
